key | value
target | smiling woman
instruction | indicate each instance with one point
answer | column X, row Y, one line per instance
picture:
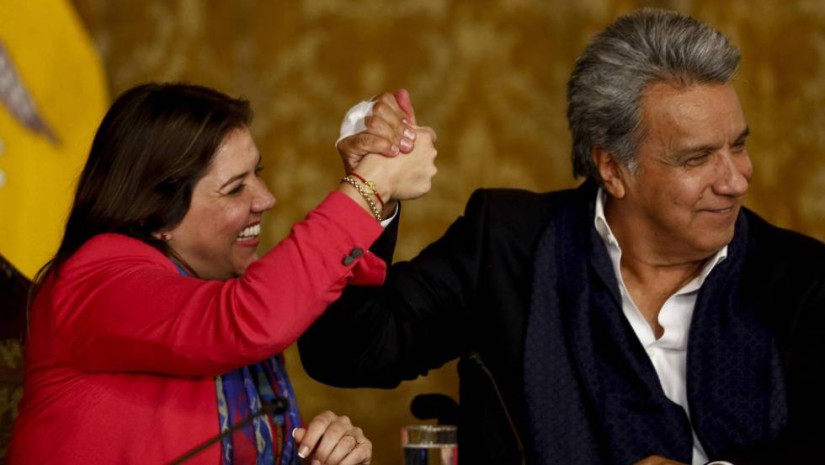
column 219, row 234
column 156, row 327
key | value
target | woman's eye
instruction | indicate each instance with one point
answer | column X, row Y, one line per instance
column 237, row 190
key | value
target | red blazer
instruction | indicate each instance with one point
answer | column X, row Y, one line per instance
column 123, row 350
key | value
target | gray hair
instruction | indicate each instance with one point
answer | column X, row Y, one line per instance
column 648, row 46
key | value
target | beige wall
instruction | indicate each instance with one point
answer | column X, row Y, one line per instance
column 488, row 76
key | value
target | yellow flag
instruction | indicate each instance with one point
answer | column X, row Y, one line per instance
column 52, row 97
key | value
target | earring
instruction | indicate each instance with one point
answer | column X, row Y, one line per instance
column 165, row 237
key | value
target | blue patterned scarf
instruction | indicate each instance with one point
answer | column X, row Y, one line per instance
column 241, row 394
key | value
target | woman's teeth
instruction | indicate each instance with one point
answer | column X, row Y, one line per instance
column 250, row 232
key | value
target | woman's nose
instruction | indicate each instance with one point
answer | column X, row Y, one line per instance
column 263, row 200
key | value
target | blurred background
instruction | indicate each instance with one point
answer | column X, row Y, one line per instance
column 489, row 76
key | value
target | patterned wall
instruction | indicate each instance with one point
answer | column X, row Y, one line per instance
column 489, row 76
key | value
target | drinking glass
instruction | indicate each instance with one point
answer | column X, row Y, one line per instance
column 429, row 445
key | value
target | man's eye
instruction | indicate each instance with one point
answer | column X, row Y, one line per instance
column 697, row 159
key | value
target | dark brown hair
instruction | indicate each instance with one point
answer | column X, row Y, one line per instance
column 154, row 144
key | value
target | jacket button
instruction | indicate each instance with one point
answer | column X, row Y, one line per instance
column 348, row 260
column 357, row 252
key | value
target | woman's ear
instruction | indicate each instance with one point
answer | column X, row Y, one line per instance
column 610, row 170
column 164, row 236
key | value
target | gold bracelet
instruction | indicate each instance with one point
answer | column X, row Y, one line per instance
column 366, row 195
column 371, row 186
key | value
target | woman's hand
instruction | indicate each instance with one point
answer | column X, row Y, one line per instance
column 405, row 177
column 370, row 156
column 332, row 440
column 389, row 130
column 658, row 460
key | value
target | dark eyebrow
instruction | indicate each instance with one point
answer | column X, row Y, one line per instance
column 232, row 179
column 692, row 150
column 708, row 148
column 744, row 135
column 239, row 176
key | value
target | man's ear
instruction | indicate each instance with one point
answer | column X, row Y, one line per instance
column 609, row 168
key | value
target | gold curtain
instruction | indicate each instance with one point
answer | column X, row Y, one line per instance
column 489, row 76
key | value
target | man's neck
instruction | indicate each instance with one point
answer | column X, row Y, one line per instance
column 650, row 285
column 651, row 272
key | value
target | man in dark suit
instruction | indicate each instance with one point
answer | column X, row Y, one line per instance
column 645, row 317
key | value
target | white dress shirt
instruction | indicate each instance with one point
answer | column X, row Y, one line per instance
column 668, row 353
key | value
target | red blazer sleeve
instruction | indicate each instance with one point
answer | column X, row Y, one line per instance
column 120, row 305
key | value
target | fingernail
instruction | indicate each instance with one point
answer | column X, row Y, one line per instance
column 316, row 462
column 405, row 121
column 406, row 144
column 303, row 452
column 409, row 134
column 394, row 149
column 293, row 432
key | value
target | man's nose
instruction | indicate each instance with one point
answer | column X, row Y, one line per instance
column 734, row 173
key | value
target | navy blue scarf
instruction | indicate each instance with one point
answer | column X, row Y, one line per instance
column 593, row 394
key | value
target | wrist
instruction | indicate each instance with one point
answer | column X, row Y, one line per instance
column 372, row 187
column 390, row 207
column 366, row 194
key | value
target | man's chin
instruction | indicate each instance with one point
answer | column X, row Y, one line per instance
column 714, row 243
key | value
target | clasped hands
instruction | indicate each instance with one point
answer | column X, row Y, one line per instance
column 392, row 150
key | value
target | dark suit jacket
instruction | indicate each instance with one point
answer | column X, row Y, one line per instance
column 470, row 292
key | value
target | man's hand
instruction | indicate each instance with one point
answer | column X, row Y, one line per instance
column 389, row 130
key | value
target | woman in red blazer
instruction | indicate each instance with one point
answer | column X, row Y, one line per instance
column 156, row 327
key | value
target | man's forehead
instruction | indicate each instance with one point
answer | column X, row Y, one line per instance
column 695, row 112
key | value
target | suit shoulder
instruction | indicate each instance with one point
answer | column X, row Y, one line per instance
column 787, row 249
column 518, row 203
column 514, row 216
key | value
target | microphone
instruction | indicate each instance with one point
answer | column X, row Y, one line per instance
column 276, row 407
column 475, row 358
column 439, row 406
